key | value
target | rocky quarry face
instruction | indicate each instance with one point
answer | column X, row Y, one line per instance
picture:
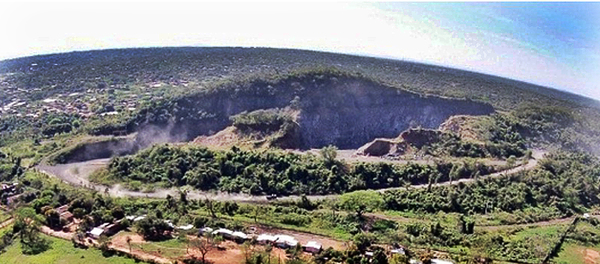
column 341, row 111
column 332, row 110
column 416, row 138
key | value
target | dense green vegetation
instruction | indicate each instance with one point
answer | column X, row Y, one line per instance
column 272, row 171
column 346, row 217
column 564, row 182
column 266, row 121
column 10, row 167
column 450, row 144
column 14, row 129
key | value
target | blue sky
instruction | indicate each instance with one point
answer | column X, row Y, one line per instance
column 553, row 44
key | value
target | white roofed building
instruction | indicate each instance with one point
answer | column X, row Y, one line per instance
column 312, row 247
column 205, row 230
column 185, row 227
column 266, row 239
column 285, row 241
column 225, row 233
column 96, row 232
column 240, row 236
column 398, row 251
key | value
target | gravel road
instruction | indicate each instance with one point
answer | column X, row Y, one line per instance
column 77, row 174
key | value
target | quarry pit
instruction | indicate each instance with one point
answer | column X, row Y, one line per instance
column 346, row 112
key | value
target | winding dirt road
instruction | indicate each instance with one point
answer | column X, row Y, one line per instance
column 77, row 174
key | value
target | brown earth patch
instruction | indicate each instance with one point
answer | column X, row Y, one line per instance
column 222, row 139
column 591, row 256
column 463, row 126
column 119, row 242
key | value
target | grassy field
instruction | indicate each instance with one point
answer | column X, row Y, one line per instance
column 547, row 232
column 61, row 251
column 576, row 254
column 4, row 216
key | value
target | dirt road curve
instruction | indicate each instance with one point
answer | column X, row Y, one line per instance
column 77, row 174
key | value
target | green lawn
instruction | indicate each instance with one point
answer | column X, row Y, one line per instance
column 552, row 232
column 61, row 251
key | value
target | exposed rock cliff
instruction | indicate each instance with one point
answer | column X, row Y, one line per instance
column 330, row 110
column 341, row 111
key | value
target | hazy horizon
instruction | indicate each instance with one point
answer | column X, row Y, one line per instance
column 550, row 44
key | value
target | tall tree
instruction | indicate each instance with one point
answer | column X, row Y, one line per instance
column 204, row 246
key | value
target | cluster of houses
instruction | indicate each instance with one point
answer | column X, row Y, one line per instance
column 109, row 229
column 11, row 192
column 63, row 212
column 278, row 240
column 281, row 241
column 8, row 188
column 80, row 103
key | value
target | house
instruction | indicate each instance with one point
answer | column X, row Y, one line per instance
column 170, row 224
column 586, row 216
column 185, row 227
column 285, row 241
column 398, row 251
column 68, row 216
column 64, row 213
column 240, row 237
column 11, row 200
column 134, row 218
column 112, row 229
column 107, row 229
column 204, row 230
column 312, row 247
column 62, row 209
column 225, row 233
column 7, row 188
column 96, row 232
column 266, row 239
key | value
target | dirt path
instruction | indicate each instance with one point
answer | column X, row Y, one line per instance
column 350, row 156
column 79, row 177
column 230, row 252
column 60, row 234
column 541, row 223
